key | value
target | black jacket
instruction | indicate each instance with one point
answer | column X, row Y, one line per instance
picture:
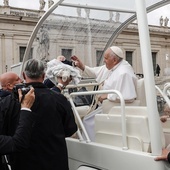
column 9, row 119
column 54, row 122
column 4, row 93
column 9, row 114
column 20, row 140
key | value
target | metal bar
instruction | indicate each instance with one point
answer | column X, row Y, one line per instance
column 159, row 90
column 123, row 117
column 153, row 116
column 81, row 85
column 79, row 120
column 79, row 135
column 166, row 87
column 9, row 167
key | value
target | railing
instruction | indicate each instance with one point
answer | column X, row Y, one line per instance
column 165, row 93
column 82, row 85
column 122, row 104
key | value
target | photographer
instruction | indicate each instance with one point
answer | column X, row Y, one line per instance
column 9, row 106
column 20, row 140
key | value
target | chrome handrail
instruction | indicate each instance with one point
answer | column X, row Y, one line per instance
column 123, row 117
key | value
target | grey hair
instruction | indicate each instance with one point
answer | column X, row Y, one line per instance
column 34, row 68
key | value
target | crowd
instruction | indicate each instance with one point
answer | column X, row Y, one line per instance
column 35, row 118
column 43, row 141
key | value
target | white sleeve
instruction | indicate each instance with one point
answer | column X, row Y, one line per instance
column 90, row 71
column 126, row 86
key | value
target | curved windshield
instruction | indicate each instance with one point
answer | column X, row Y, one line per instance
column 83, row 28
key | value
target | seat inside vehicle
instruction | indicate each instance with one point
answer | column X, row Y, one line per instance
column 108, row 128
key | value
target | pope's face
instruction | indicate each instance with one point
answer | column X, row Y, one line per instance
column 109, row 60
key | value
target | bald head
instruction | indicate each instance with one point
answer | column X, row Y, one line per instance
column 9, row 80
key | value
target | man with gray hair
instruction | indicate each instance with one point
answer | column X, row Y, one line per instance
column 116, row 74
column 54, row 121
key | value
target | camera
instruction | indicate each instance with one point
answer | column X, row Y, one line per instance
column 24, row 88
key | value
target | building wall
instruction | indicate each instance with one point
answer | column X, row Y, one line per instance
column 15, row 31
column 160, row 43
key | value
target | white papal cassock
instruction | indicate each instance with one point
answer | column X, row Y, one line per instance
column 121, row 77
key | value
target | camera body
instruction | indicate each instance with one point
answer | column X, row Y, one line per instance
column 24, row 88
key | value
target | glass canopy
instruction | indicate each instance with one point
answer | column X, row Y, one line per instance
column 82, row 27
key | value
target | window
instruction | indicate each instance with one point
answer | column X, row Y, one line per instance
column 98, row 56
column 129, row 55
column 22, row 52
column 67, row 53
column 154, row 54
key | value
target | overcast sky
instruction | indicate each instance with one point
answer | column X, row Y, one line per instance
column 34, row 4
column 31, row 4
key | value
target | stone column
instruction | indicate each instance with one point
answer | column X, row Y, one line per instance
column 8, row 57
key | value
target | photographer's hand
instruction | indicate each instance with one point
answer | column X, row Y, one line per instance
column 27, row 100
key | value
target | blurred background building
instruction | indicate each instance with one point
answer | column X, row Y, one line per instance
column 81, row 36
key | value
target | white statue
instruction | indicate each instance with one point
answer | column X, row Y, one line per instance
column 42, row 4
column 50, row 3
column 117, row 17
column 79, row 12
column 6, row 2
column 87, row 12
column 111, row 15
column 166, row 22
column 161, row 21
column 44, row 44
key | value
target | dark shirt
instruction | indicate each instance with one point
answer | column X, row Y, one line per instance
column 4, row 93
column 168, row 157
column 56, row 89
column 9, row 119
column 54, row 122
column 21, row 138
column 49, row 83
column 9, row 114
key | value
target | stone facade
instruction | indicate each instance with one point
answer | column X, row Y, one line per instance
column 87, row 37
column 15, row 29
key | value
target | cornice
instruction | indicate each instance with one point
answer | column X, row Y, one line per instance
column 17, row 19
